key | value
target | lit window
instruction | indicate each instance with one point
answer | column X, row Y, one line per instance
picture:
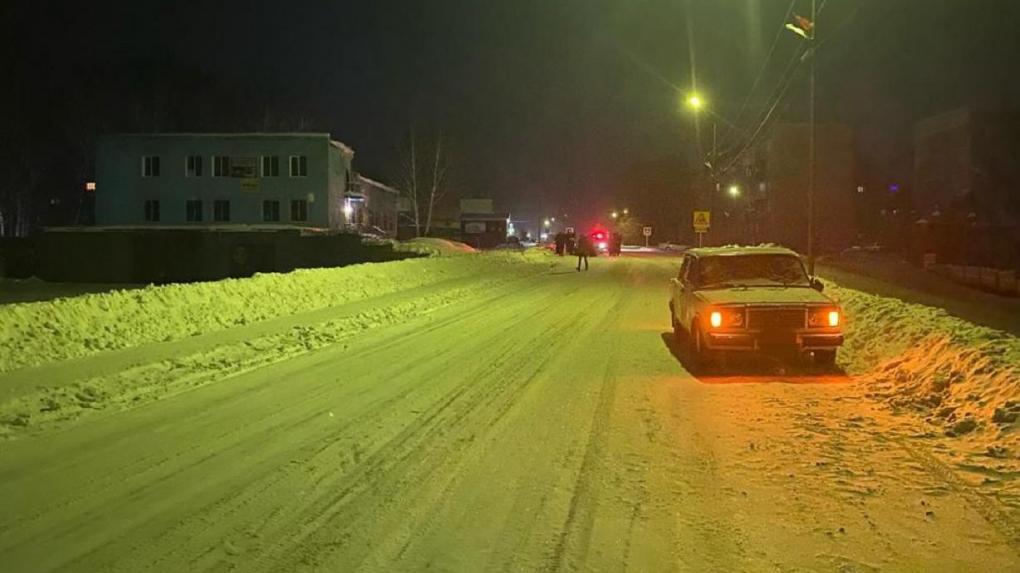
column 270, row 211
column 150, row 166
column 193, row 211
column 299, row 210
column 298, row 166
column 193, row 166
column 221, row 166
column 221, row 210
column 152, row 210
column 270, row 166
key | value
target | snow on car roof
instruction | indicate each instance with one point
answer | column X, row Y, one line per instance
column 730, row 250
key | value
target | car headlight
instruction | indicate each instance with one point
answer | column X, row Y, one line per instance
column 824, row 317
column 716, row 319
column 726, row 317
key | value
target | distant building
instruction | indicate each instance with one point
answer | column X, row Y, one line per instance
column 785, row 217
column 481, row 226
column 194, row 179
column 372, row 206
column 966, row 162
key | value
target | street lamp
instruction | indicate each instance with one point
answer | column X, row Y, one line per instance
column 734, row 191
column 695, row 102
column 625, row 211
column 615, row 214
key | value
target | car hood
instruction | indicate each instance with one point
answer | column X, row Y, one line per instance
column 763, row 295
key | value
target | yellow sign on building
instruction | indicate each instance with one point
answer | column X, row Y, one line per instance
column 250, row 184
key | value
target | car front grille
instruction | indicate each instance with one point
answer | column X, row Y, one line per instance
column 774, row 318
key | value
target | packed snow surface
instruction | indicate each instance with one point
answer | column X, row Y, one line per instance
column 492, row 412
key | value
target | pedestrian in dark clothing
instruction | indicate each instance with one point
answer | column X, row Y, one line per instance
column 571, row 243
column 561, row 243
column 617, row 244
column 584, row 248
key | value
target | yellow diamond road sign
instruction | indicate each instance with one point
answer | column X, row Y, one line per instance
column 702, row 221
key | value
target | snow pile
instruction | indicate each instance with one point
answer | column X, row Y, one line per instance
column 962, row 377
column 434, row 247
column 41, row 332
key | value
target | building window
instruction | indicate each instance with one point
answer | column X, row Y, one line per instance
column 270, row 166
column 150, row 166
column 270, row 211
column 152, row 211
column 298, row 166
column 221, row 166
column 193, row 166
column 299, row 210
column 193, row 211
column 221, row 210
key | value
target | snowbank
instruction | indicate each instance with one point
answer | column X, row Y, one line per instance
column 435, row 247
column 964, row 378
column 41, row 332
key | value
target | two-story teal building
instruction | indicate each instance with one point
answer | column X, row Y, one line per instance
column 193, row 179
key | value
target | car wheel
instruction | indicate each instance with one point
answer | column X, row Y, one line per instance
column 825, row 358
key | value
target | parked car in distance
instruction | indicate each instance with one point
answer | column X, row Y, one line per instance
column 752, row 299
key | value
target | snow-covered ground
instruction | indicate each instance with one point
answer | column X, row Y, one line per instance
column 491, row 411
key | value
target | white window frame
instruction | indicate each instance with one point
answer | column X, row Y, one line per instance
column 215, row 165
column 290, row 165
column 191, row 172
column 262, row 165
column 147, row 171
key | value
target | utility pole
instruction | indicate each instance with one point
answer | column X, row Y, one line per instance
column 812, row 44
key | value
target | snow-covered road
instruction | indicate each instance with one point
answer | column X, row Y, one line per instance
column 541, row 422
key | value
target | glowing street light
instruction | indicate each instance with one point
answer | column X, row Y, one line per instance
column 695, row 102
column 615, row 214
column 547, row 223
column 625, row 211
column 734, row 191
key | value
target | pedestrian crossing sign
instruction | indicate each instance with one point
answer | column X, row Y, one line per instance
column 702, row 221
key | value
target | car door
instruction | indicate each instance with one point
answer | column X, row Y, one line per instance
column 678, row 289
column 685, row 303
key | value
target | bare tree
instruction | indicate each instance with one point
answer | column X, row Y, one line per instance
column 423, row 178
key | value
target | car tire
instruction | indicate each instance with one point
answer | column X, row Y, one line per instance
column 824, row 358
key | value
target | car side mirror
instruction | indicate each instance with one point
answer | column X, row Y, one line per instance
column 817, row 284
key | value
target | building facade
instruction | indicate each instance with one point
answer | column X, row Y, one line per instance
column 293, row 179
column 967, row 165
column 372, row 206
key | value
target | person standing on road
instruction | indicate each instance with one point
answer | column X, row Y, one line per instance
column 584, row 248
column 561, row 243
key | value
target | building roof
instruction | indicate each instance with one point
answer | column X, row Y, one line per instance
column 242, row 135
column 376, row 184
column 733, row 250
column 484, row 216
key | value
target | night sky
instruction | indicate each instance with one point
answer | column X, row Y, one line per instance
column 544, row 103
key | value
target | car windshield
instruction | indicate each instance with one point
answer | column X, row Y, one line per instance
column 751, row 270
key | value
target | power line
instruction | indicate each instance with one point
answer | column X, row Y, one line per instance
column 764, row 64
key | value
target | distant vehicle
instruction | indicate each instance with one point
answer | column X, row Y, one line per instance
column 670, row 246
column 600, row 239
column 512, row 243
column 752, row 299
